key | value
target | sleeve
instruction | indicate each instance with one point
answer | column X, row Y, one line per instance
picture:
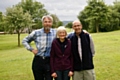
column 52, row 58
column 27, row 40
column 71, row 57
column 92, row 46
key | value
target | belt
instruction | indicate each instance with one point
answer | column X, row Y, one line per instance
column 43, row 57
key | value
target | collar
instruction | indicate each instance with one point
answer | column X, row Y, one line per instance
column 79, row 34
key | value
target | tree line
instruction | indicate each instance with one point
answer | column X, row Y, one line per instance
column 99, row 17
column 27, row 14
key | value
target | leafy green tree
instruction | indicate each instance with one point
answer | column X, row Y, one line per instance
column 35, row 9
column 2, row 22
column 17, row 20
column 113, row 22
column 95, row 13
column 69, row 25
column 0, row 16
column 60, row 23
column 56, row 21
column 82, row 17
column 116, row 7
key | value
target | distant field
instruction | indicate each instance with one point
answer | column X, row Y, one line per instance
column 15, row 62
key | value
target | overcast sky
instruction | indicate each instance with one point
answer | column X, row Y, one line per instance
column 65, row 10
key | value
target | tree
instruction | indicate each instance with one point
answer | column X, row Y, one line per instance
column 117, row 9
column 17, row 20
column 69, row 25
column 95, row 14
column 35, row 9
column 82, row 17
column 113, row 20
column 1, row 22
column 56, row 21
column 60, row 23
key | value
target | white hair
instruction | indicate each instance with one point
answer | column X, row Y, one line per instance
column 61, row 28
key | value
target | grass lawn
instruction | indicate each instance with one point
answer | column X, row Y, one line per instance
column 15, row 62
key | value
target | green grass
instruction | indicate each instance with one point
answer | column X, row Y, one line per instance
column 8, row 42
column 107, row 58
column 15, row 62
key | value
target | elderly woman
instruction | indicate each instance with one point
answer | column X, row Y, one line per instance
column 61, row 59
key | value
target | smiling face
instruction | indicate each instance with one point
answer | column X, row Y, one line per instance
column 61, row 33
column 47, row 23
column 77, row 27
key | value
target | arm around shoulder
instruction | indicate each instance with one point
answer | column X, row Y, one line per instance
column 92, row 45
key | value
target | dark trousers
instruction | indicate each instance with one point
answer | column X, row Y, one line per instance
column 62, row 75
column 41, row 68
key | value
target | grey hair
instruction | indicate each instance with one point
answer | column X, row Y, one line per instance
column 59, row 29
column 47, row 16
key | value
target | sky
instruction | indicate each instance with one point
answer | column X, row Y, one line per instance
column 66, row 10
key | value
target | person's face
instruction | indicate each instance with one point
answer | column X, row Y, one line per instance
column 62, row 34
column 77, row 27
column 47, row 23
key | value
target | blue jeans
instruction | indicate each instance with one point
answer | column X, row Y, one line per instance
column 62, row 75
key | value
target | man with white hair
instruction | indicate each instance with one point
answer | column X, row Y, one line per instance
column 43, row 39
column 83, row 52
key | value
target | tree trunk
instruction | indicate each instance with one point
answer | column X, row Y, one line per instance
column 97, row 27
column 18, row 39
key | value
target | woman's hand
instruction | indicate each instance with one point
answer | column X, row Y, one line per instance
column 54, row 75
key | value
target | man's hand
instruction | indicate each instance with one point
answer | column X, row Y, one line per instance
column 70, row 73
column 35, row 51
column 85, row 31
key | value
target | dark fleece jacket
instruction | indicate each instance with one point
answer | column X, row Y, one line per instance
column 61, row 59
column 87, row 58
